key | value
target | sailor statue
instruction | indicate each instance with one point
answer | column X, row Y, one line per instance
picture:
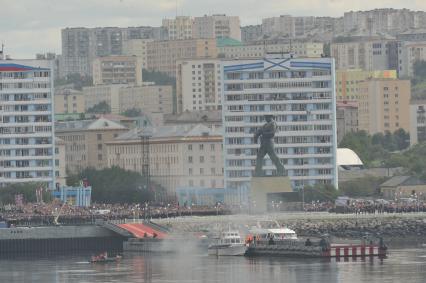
column 266, row 134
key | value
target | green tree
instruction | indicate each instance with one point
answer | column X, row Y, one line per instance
column 362, row 187
column 116, row 185
column 100, row 108
column 28, row 190
column 319, row 192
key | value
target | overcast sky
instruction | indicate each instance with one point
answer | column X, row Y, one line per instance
column 28, row 27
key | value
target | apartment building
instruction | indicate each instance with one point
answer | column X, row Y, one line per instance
column 347, row 81
column 69, row 101
column 384, row 105
column 346, row 119
column 300, row 94
column 179, row 27
column 85, row 142
column 80, row 46
column 179, row 156
column 417, row 121
column 217, row 26
column 117, row 70
column 60, row 163
column 198, row 84
column 162, row 55
column 94, row 95
column 27, row 151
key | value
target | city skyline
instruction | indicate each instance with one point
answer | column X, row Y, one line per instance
column 34, row 31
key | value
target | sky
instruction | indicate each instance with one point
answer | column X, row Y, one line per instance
column 28, row 27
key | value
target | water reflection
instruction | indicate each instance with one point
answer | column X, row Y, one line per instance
column 403, row 265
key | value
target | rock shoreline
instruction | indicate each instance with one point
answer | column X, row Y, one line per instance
column 313, row 224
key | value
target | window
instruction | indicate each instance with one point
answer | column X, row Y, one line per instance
column 99, row 146
column 212, row 147
column 189, row 159
column 99, row 157
column 201, row 146
column 201, row 159
column 99, row 137
column 189, row 146
column 190, row 171
column 201, row 171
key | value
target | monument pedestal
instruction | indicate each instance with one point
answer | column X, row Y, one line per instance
column 260, row 187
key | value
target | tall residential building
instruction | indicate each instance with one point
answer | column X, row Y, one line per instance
column 217, row 26
column 384, row 105
column 409, row 54
column 185, row 156
column 138, row 48
column 85, row 142
column 417, row 121
column 162, row 55
column 69, row 101
column 117, row 70
column 347, row 81
column 300, row 94
column 179, row 27
column 299, row 49
column 60, row 163
column 346, row 119
column 366, row 54
column 27, row 152
column 198, row 84
column 80, row 46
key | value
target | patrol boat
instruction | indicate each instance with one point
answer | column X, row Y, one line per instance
column 228, row 244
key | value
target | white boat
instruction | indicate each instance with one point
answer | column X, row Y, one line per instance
column 228, row 244
column 268, row 229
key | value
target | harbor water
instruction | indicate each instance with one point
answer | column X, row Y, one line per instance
column 404, row 264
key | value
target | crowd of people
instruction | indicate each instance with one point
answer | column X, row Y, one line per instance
column 31, row 214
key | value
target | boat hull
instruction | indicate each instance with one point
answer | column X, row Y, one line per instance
column 236, row 250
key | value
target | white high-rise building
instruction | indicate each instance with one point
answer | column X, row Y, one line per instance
column 179, row 27
column 300, row 94
column 27, row 152
column 198, row 84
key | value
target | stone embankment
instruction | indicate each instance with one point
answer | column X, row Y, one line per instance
column 312, row 224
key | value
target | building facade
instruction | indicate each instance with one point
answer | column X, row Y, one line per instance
column 27, row 151
column 138, row 48
column 366, row 54
column 198, row 84
column 149, row 99
column 117, row 70
column 299, row 49
column 417, row 121
column 347, row 81
column 69, row 101
column 384, row 105
column 409, row 54
column 217, row 26
column 85, row 142
column 60, row 165
column 109, row 94
column 300, row 94
column 180, row 156
column 346, row 119
column 162, row 55
column 179, row 27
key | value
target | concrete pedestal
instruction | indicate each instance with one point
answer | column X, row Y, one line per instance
column 260, row 187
